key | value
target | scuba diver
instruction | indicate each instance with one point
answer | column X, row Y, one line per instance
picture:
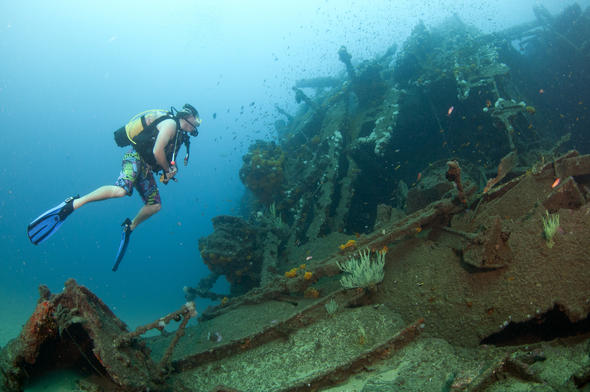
column 155, row 137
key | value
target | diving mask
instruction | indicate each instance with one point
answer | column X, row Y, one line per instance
column 191, row 111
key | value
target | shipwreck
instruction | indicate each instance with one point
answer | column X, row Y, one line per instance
column 443, row 158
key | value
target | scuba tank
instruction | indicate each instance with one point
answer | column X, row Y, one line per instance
column 125, row 135
column 141, row 132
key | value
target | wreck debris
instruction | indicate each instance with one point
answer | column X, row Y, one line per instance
column 234, row 249
column 300, row 96
column 570, row 164
column 345, row 57
column 380, row 137
column 203, row 289
column 488, row 69
column 88, row 325
column 165, row 361
column 185, row 313
column 324, row 192
column 454, row 175
column 340, row 373
column 338, row 164
column 433, row 185
column 506, row 165
column 276, row 231
column 503, row 110
column 245, row 252
column 262, row 171
column 489, row 249
column 408, row 226
column 320, row 82
column 284, row 113
column 388, row 55
column 278, row 330
column 516, row 364
column 567, row 195
column 546, row 20
column 326, row 187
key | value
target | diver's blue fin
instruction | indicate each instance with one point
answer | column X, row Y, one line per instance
column 125, row 234
column 48, row 222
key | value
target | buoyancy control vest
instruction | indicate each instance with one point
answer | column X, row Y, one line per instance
column 142, row 131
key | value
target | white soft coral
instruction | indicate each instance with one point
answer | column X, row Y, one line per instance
column 191, row 308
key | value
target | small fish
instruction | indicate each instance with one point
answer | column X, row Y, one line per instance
column 541, row 91
column 419, row 176
column 556, row 183
column 308, row 258
column 450, row 110
column 488, row 103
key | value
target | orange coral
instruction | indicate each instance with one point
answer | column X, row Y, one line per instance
column 291, row 273
column 307, row 275
column 349, row 244
column 311, row 293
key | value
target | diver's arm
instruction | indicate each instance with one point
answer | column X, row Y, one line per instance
column 166, row 129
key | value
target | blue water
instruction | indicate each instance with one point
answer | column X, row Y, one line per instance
column 71, row 72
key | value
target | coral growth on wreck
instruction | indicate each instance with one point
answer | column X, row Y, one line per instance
column 262, row 171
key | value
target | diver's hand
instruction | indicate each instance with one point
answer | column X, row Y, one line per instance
column 169, row 175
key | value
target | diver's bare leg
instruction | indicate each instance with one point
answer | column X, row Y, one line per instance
column 145, row 212
column 102, row 193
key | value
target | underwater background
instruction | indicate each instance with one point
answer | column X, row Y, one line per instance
column 73, row 72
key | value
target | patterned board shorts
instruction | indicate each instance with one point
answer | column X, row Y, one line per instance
column 135, row 172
